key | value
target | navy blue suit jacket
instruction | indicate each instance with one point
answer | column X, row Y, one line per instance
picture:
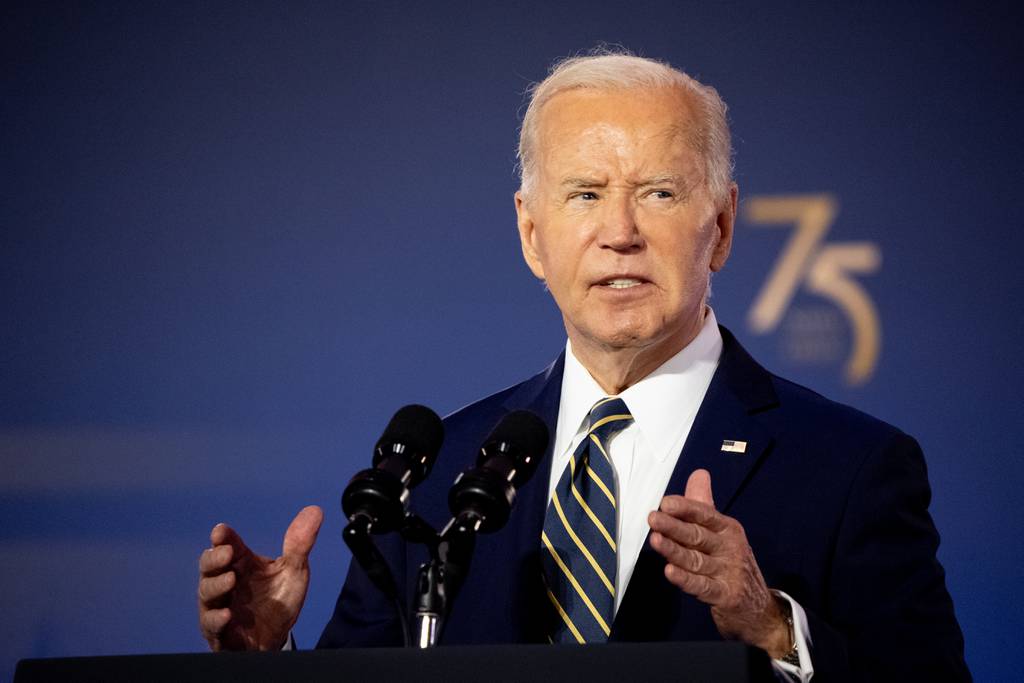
column 833, row 502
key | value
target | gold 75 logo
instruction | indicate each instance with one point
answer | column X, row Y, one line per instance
column 825, row 269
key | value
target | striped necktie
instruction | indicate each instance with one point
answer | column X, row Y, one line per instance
column 579, row 533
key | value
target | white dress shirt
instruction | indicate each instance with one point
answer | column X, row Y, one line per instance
column 644, row 454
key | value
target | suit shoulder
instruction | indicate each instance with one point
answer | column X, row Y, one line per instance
column 794, row 410
column 520, row 395
column 474, row 412
column 839, row 450
column 808, row 408
column 475, row 420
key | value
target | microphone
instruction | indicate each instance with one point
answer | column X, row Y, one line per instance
column 377, row 498
column 480, row 501
column 482, row 497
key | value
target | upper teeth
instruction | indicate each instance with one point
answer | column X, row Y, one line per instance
column 622, row 283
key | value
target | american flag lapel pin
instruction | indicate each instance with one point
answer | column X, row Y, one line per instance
column 730, row 446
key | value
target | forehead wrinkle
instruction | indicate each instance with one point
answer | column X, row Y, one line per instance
column 657, row 157
column 592, row 153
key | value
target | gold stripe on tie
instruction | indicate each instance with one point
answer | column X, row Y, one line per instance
column 600, row 484
column 586, row 508
column 593, row 517
column 575, row 584
column 566, row 619
column 597, row 442
column 611, row 418
column 581, row 546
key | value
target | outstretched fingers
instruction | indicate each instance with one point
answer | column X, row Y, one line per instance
column 697, row 542
column 248, row 601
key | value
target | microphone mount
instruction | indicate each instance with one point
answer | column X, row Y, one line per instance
column 481, row 501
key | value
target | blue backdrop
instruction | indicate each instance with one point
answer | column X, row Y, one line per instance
column 234, row 239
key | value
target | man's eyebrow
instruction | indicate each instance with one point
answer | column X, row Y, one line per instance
column 584, row 182
column 581, row 181
column 664, row 179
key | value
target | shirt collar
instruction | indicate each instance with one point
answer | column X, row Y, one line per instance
column 655, row 401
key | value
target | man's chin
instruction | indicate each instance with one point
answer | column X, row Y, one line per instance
column 621, row 339
column 630, row 336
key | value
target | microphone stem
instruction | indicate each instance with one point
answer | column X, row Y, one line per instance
column 431, row 604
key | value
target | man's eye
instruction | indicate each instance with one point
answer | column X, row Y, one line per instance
column 586, row 196
column 662, row 194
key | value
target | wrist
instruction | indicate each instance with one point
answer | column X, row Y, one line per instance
column 780, row 642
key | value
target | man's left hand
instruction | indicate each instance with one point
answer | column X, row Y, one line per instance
column 708, row 557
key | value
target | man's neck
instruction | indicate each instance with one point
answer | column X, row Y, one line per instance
column 615, row 369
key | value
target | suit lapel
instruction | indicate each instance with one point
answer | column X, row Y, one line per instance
column 652, row 608
column 739, row 390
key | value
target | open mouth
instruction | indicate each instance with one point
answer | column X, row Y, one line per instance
column 621, row 283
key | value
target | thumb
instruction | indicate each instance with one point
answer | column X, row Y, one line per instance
column 301, row 534
column 698, row 487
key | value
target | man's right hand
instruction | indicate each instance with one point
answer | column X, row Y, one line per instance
column 249, row 601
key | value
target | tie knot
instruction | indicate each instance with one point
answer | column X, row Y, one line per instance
column 608, row 417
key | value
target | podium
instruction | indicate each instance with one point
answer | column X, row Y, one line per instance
column 608, row 663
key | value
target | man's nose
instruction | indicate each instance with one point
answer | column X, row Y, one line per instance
column 618, row 229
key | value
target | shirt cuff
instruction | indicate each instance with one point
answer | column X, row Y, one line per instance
column 802, row 638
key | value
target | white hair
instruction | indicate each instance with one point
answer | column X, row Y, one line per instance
column 618, row 70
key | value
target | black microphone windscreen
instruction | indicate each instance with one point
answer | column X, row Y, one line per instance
column 508, row 458
column 523, row 428
column 416, row 426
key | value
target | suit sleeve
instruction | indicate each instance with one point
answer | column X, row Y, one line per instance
column 890, row 617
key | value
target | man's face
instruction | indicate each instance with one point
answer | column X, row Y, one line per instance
column 620, row 222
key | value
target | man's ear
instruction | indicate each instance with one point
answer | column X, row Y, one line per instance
column 726, row 222
column 528, row 237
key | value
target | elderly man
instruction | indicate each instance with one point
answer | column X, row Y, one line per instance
column 688, row 493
